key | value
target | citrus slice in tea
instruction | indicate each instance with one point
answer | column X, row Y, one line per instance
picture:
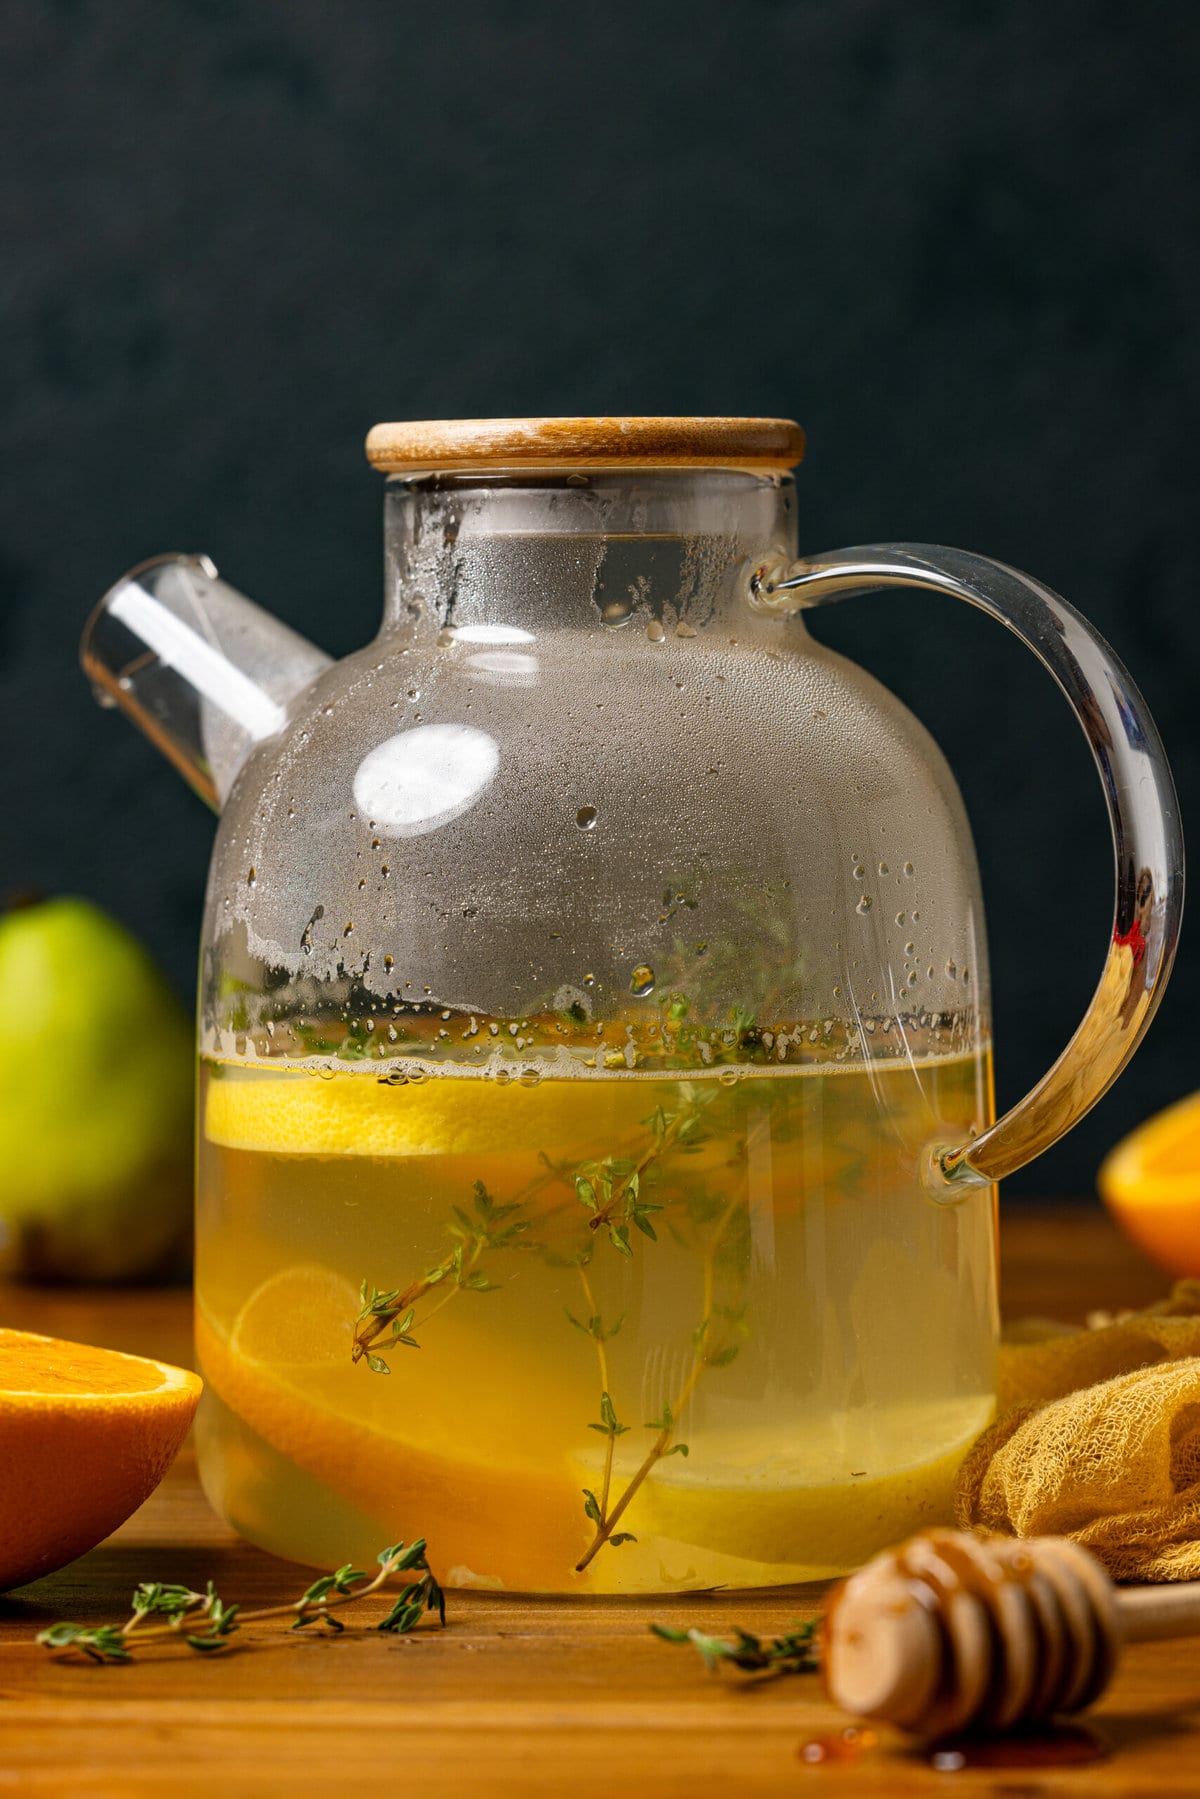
column 761, row 1500
column 286, row 1372
column 1151, row 1184
column 87, row 1435
column 298, row 1113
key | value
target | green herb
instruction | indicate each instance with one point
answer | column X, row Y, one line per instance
column 205, row 1623
column 386, row 1318
column 795, row 1652
column 612, row 1194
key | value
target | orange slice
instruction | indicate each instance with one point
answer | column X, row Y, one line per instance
column 85, row 1435
column 1151, row 1184
column 285, row 1370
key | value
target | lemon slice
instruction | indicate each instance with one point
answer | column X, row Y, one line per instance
column 358, row 1114
column 375, row 1440
column 1151, row 1184
column 759, row 1501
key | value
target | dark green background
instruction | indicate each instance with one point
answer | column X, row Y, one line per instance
column 959, row 242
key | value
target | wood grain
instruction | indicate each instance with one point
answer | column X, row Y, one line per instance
column 537, row 1697
column 578, row 443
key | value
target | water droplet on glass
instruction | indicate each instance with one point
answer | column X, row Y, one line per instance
column 529, row 1077
column 883, row 868
column 654, row 631
column 859, row 871
column 908, row 869
column 589, row 980
column 685, row 630
column 252, row 878
column 910, row 949
column 729, row 1077
column 952, row 969
column 641, row 982
column 864, row 904
column 585, row 818
column 615, row 613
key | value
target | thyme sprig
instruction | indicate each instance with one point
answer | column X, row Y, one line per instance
column 611, row 1191
column 205, row 1622
column 794, row 1652
column 387, row 1318
column 714, row 1345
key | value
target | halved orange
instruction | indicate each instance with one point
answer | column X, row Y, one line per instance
column 1151, row 1184
column 85, row 1436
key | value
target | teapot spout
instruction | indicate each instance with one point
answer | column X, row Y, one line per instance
column 204, row 672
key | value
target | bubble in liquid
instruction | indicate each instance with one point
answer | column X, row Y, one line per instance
column 585, row 818
column 729, row 1077
column 641, row 981
column 864, row 904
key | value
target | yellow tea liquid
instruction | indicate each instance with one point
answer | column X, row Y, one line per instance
column 662, row 1332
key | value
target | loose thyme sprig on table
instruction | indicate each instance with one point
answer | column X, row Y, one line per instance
column 795, row 1652
column 179, row 1607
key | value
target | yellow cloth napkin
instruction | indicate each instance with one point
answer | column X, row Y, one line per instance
column 1098, row 1439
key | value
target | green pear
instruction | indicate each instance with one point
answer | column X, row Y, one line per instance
column 96, row 1100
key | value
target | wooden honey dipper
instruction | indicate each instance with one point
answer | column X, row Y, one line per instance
column 950, row 1632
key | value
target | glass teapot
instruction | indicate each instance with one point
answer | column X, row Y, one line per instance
column 597, row 1149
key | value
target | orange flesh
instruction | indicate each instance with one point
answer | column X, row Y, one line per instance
column 33, row 1364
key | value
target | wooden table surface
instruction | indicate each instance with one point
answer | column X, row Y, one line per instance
column 537, row 1697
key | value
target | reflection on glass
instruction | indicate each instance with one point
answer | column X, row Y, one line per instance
column 422, row 778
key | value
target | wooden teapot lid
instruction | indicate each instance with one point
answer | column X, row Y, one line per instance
column 467, row 444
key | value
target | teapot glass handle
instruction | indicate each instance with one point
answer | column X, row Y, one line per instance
column 1143, row 812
